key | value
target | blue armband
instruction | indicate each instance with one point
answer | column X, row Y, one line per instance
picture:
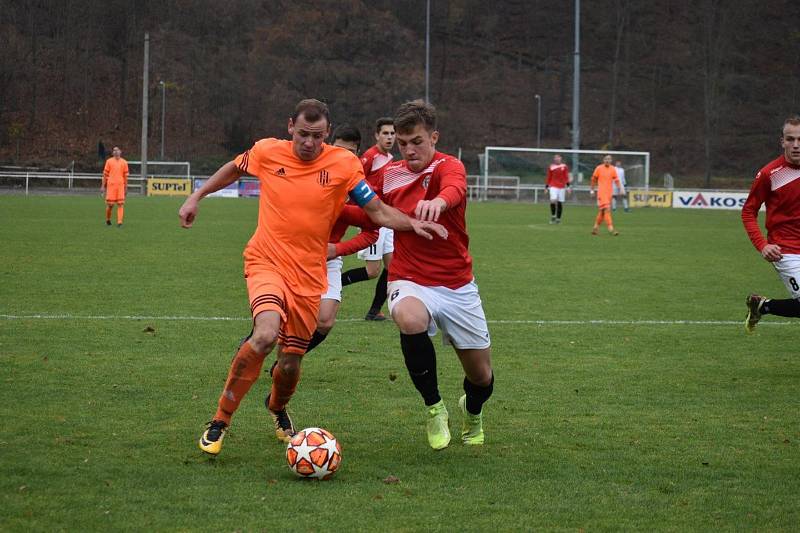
column 362, row 194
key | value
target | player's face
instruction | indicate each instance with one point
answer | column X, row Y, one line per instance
column 791, row 143
column 385, row 137
column 307, row 137
column 116, row 152
column 557, row 160
column 347, row 145
column 417, row 147
column 607, row 160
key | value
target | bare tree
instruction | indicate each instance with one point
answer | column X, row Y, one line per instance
column 622, row 11
column 713, row 25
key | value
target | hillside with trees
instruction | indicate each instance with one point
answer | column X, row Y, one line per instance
column 704, row 85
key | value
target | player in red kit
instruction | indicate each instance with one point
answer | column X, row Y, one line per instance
column 557, row 183
column 431, row 285
column 778, row 186
column 373, row 160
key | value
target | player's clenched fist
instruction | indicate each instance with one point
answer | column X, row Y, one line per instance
column 188, row 212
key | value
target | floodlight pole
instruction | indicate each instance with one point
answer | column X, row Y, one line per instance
column 576, row 89
column 163, row 113
column 145, row 83
column 538, row 121
column 427, row 52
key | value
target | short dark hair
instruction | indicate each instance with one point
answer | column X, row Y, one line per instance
column 347, row 133
column 412, row 113
column 312, row 109
column 383, row 121
column 794, row 120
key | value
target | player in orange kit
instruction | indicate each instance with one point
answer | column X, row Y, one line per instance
column 604, row 178
column 303, row 183
column 115, row 184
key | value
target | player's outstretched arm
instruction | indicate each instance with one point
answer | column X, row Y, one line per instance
column 223, row 177
column 389, row 217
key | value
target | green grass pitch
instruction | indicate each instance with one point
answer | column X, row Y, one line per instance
column 637, row 425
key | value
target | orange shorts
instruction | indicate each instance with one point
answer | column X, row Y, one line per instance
column 603, row 202
column 268, row 291
column 115, row 193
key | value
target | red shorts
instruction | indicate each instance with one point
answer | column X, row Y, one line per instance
column 268, row 291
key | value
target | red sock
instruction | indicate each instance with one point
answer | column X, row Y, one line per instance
column 283, row 387
column 245, row 368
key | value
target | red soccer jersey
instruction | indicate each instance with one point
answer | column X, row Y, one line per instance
column 777, row 185
column 373, row 160
column 438, row 262
column 557, row 176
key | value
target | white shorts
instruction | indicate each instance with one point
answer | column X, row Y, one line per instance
column 384, row 245
column 789, row 271
column 334, row 280
column 457, row 312
column 616, row 191
column 557, row 195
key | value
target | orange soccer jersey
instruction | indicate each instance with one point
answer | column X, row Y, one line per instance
column 115, row 179
column 603, row 178
column 299, row 203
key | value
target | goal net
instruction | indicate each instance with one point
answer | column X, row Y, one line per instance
column 162, row 169
column 520, row 173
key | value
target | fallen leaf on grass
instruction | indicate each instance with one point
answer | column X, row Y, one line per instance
column 392, row 376
column 391, row 480
column 149, row 329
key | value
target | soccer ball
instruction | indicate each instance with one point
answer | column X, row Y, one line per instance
column 314, row 452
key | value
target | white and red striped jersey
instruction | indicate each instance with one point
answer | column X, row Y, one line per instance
column 373, row 160
column 777, row 185
column 557, row 176
column 437, row 262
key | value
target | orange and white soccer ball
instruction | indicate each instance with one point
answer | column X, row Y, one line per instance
column 314, row 453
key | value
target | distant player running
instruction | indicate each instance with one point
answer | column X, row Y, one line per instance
column 304, row 183
column 373, row 160
column 115, row 185
column 604, row 178
column 778, row 186
column 558, row 182
column 431, row 285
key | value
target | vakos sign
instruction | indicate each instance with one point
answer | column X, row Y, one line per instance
column 708, row 199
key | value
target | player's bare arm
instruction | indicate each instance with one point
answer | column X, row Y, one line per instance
column 430, row 210
column 223, row 177
column 389, row 217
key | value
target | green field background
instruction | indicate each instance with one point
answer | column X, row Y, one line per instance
column 639, row 425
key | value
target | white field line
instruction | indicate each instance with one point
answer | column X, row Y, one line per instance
column 530, row 322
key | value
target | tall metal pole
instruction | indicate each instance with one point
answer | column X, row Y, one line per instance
column 427, row 52
column 145, row 83
column 538, row 121
column 163, row 114
column 576, row 89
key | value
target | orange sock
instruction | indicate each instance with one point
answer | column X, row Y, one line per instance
column 120, row 213
column 599, row 218
column 245, row 368
column 609, row 222
column 108, row 212
column 283, row 387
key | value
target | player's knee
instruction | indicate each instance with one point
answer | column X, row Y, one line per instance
column 290, row 366
column 263, row 339
column 326, row 323
column 373, row 270
column 410, row 322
